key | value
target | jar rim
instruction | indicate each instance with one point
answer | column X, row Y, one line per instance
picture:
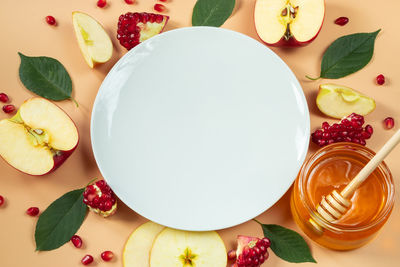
column 356, row 148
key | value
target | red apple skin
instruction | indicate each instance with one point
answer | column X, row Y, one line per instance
column 58, row 161
column 291, row 42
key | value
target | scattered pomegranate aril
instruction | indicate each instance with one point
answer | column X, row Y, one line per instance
column 380, row 79
column 251, row 251
column 77, row 241
column 100, row 198
column 349, row 129
column 159, row 8
column 32, row 211
column 8, row 108
column 101, row 3
column 107, row 255
column 231, row 254
column 1, row 200
column 87, row 259
column 163, row 0
column 389, row 123
column 51, row 20
column 129, row 2
column 4, row 98
column 134, row 28
column 369, row 129
column 342, row 21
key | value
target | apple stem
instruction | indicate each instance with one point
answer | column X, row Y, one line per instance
column 313, row 79
column 76, row 103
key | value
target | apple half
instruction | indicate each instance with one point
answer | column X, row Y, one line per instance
column 39, row 138
column 288, row 22
column 175, row 248
column 94, row 42
column 138, row 246
column 339, row 101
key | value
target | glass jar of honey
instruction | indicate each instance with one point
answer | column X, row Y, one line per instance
column 332, row 168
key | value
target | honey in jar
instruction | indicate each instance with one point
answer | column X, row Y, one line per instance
column 332, row 168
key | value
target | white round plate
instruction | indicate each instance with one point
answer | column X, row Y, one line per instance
column 200, row 128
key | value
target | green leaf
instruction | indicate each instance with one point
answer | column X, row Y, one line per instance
column 46, row 77
column 287, row 244
column 212, row 12
column 347, row 55
column 60, row 221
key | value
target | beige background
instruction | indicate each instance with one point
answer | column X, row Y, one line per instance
column 22, row 28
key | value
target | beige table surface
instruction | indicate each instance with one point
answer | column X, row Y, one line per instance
column 22, row 28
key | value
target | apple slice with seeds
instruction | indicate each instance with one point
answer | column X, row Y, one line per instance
column 288, row 22
column 339, row 101
column 175, row 248
column 39, row 138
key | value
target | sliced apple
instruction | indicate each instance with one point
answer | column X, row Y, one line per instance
column 137, row 248
column 288, row 22
column 94, row 42
column 339, row 101
column 175, row 248
column 39, row 138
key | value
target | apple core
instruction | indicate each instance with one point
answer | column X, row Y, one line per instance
column 288, row 22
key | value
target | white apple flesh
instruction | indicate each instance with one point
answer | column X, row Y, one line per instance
column 39, row 138
column 94, row 42
column 138, row 246
column 339, row 101
column 175, row 248
column 288, row 22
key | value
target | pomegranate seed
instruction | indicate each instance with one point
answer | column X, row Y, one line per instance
column 231, row 254
column 77, row 241
column 101, row 184
column 389, row 123
column 365, row 135
column 87, row 259
column 101, row 3
column 369, row 129
column 325, row 125
column 163, row 1
column 108, row 205
column 159, row 7
column 51, row 20
column 8, row 108
column 129, row 2
column 1, row 200
column 341, row 21
column 266, row 242
column 3, row 98
column 380, row 79
column 32, row 211
column 107, row 255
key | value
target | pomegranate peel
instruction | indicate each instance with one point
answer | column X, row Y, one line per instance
column 135, row 28
column 250, row 252
column 100, row 198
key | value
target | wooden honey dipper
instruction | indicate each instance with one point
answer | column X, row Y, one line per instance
column 335, row 205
